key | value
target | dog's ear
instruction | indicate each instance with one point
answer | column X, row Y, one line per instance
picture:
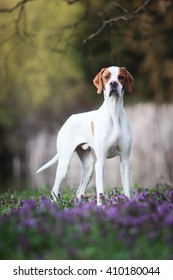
column 128, row 79
column 98, row 81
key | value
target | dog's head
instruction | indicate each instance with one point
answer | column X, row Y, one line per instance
column 113, row 80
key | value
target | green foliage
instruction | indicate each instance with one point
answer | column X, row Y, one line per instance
column 35, row 75
column 11, row 199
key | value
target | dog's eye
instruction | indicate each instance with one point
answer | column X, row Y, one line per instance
column 121, row 78
column 107, row 77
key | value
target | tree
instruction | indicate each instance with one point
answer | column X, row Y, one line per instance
column 38, row 82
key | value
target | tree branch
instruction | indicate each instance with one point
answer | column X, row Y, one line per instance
column 18, row 5
column 19, row 30
column 71, row 26
column 126, row 17
column 17, row 21
column 72, row 1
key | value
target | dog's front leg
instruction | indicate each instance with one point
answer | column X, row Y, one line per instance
column 99, row 171
column 125, row 175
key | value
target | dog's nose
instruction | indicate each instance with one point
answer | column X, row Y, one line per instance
column 113, row 84
column 113, row 88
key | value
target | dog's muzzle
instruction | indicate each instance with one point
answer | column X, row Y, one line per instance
column 113, row 89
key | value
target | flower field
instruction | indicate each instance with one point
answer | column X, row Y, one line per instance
column 32, row 227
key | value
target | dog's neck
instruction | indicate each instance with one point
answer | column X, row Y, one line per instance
column 115, row 107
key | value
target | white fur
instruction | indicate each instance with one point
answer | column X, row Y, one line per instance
column 95, row 136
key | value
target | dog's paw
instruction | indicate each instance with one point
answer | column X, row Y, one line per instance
column 53, row 197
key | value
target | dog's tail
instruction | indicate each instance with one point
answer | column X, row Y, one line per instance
column 52, row 161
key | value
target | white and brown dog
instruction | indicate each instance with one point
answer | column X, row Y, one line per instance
column 97, row 135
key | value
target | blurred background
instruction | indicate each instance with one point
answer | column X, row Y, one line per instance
column 50, row 51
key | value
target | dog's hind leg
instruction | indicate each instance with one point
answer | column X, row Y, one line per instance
column 61, row 173
column 87, row 165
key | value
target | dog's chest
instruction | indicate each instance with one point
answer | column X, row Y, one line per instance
column 114, row 144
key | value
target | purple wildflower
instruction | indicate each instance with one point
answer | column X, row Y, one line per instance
column 65, row 229
column 29, row 223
